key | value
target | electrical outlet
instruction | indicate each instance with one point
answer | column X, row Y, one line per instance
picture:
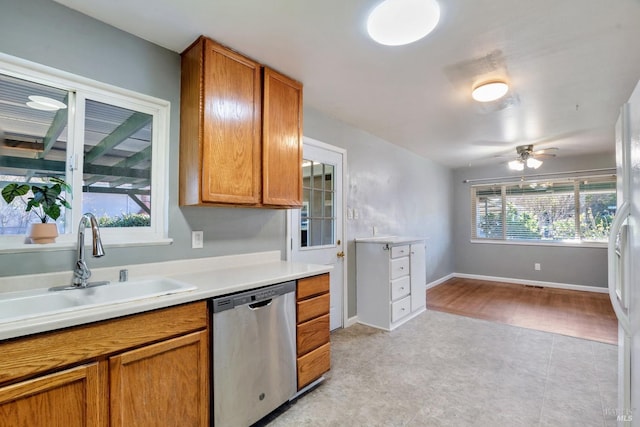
column 197, row 239
column 536, row 266
column 356, row 214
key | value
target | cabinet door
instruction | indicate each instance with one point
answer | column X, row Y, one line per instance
column 418, row 276
column 67, row 398
column 164, row 384
column 281, row 141
column 231, row 127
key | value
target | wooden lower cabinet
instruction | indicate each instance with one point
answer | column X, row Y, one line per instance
column 312, row 338
column 178, row 398
column 67, row 398
column 135, row 377
column 312, row 365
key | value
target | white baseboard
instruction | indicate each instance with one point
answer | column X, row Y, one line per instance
column 351, row 321
column 440, row 280
column 532, row 283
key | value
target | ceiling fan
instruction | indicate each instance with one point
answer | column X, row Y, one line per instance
column 526, row 157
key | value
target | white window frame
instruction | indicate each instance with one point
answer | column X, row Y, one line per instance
column 81, row 89
column 504, row 241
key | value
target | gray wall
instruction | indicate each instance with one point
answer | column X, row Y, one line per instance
column 45, row 32
column 568, row 265
column 394, row 190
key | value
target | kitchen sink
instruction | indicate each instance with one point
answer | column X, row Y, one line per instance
column 42, row 302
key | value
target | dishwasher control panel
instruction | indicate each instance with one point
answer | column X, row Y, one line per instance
column 228, row 302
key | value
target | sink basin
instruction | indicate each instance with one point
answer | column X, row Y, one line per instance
column 21, row 307
column 41, row 302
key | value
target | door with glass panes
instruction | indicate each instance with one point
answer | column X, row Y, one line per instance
column 318, row 226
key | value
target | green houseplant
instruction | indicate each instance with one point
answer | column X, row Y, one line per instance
column 45, row 202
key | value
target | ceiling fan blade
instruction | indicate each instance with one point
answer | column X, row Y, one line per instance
column 544, row 150
column 543, row 155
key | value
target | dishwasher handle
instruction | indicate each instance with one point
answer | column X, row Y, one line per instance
column 261, row 304
column 253, row 298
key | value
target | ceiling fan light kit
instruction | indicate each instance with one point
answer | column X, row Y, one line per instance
column 400, row 22
column 526, row 157
column 533, row 163
column 490, row 91
column 516, row 165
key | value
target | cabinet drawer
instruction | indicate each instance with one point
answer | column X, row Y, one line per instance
column 400, row 308
column 315, row 285
column 399, row 251
column 399, row 267
column 400, row 287
column 312, row 307
column 312, row 365
column 312, row 334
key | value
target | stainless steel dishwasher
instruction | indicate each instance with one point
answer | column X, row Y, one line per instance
column 254, row 353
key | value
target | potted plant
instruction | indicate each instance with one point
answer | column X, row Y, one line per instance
column 46, row 202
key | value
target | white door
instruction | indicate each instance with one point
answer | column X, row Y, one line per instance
column 317, row 229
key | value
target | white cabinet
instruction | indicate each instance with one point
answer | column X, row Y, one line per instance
column 418, row 276
column 390, row 279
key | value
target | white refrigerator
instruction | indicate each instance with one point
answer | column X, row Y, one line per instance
column 624, row 261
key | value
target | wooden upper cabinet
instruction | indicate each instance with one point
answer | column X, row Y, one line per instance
column 220, row 129
column 282, row 140
column 240, row 131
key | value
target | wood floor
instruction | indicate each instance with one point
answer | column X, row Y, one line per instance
column 587, row 315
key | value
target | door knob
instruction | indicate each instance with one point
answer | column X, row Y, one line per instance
column 340, row 254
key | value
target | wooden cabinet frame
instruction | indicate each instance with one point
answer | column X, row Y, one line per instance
column 91, row 362
column 312, row 330
column 240, row 131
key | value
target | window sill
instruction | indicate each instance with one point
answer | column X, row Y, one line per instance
column 534, row 243
column 16, row 244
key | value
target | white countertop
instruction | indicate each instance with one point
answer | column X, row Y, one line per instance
column 212, row 276
column 391, row 240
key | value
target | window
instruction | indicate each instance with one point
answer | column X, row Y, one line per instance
column 317, row 216
column 109, row 144
column 570, row 211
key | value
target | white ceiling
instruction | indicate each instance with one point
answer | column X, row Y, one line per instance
column 571, row 64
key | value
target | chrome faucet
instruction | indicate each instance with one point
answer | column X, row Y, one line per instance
column 82, row 273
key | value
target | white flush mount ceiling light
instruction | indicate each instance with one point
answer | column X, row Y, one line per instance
column 490, row 91
column 45, row 103
column 399, row 22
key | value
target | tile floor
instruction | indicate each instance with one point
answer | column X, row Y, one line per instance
column 446, row 370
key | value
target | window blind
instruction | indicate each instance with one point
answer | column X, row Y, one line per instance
column 554, row 211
